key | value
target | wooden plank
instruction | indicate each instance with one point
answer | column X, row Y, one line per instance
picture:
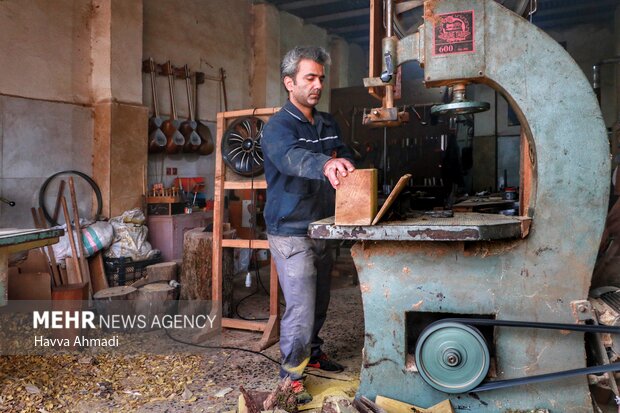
column 243, row 324
column 218, row 212
column 395, row 406
column 74, row 252
column 84, row 270
column 257, row 184
column 37, row 243
column 246, row 112
column 262, row 244
column 97, row 272
column 400, row 185
column 356, row 198
column 73, row 271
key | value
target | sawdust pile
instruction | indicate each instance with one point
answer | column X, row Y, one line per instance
column 74, row 383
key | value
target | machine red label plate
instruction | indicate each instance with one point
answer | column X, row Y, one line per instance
column 454, row 33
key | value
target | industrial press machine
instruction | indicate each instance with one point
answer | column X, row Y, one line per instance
column 492, row 269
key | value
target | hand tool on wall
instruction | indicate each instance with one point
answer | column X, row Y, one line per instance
column 157, row 139
column 207, row 146
column 188, row 127
column 170, row 127
column 223, row 79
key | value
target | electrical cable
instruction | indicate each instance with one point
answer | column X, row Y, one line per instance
column 241, row 349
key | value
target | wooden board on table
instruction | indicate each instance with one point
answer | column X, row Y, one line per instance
column 356, row 198
column 400, row 185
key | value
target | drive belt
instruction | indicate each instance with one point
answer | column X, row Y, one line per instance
column 583, row 328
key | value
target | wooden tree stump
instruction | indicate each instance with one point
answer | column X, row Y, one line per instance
column 124, row 292
column 163, row 271
column 155, row 301
column 115, row 301
column 196, row 276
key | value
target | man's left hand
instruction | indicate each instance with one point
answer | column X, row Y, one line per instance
column 336, row 166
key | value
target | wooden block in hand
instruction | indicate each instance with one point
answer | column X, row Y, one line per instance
column 356, row 198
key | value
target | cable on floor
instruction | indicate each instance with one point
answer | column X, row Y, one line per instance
column 247, row 350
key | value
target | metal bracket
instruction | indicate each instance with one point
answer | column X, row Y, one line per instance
column 582, row 310
column 388, row 117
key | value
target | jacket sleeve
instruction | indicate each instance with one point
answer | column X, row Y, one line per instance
column 280, row 145
column 343, row 150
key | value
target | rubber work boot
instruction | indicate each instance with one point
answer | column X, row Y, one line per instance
column 302, row 395
column 322, row 362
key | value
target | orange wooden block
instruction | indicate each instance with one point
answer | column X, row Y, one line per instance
column 356, row 198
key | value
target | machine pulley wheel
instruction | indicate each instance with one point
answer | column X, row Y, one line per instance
column 460, row 108
column 452, row 357
column 241, row 146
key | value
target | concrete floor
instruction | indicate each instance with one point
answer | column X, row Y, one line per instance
column 343, row 334
column 205, row 381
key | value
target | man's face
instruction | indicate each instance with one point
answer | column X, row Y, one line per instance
column 305, row 89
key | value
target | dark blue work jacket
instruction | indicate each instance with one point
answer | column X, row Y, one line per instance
column 295, row 151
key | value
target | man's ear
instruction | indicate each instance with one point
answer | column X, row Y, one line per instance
column 288, row 83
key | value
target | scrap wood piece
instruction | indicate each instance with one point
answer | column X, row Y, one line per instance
column 74, row 251
column 365, row 405
column 338, row 404
column 250, row 404
column 400, row 185
column 283, row 397
column 84, row 269
column 395, row 406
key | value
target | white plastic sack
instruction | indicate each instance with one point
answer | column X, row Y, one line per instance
column 95, row 237
column 130, row 237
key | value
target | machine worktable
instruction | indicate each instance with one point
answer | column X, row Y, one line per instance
column 463, row 226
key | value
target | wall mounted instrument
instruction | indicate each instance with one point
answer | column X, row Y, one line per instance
column 170, row 127
column 532, row 268
column 157, row 139
column 189, row 128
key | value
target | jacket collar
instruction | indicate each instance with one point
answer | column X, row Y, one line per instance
column 296, row 113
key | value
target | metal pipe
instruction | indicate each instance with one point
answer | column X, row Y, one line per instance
column 389, row 17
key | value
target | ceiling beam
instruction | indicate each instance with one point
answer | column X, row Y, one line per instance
column 300, row 4
column 360, row 39
column 582, row 7
column 589, row 18
column 338, row 16
column 349, row 29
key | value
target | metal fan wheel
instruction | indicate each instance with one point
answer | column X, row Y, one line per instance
column 452, row 357
column 241, row 146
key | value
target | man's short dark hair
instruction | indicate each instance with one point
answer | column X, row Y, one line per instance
column 290, row 61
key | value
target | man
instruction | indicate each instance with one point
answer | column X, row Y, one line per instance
column 304, row 159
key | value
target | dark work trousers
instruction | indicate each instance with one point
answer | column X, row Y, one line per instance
column 304, row 266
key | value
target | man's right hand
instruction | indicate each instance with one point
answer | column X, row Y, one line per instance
column 336, row 166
